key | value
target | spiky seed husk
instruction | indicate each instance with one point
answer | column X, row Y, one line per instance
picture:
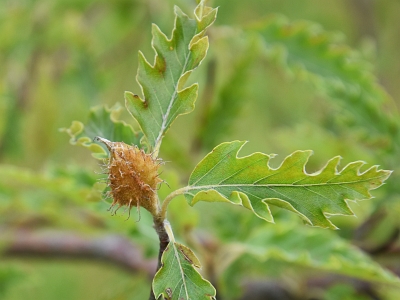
column 132, row 176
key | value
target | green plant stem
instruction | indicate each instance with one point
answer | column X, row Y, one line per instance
column 168, row 199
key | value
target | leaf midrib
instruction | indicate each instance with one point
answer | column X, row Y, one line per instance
column 173, row 97
column 213, row 186
column 181, row 271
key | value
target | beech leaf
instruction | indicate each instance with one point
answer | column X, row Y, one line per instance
column 318, row 56
column 165, row 96
column 102, row 122
column 178, row 279
column 313, row 248
column 249, row 181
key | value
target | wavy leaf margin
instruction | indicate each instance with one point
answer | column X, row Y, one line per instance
column 162, row 84
column 178, row 279
column 223, row 176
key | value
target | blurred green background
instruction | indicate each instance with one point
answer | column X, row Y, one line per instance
column 58, row 58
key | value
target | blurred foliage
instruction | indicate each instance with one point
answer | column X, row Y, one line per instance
column 270, row 86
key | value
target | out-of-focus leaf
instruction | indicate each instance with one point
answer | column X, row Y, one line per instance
column 313, row 248
column 218, row 118
column 164, row 94
column 335, row 69
column 178, row 279
column 249, row 181
column 102, row 122
column 67, row 186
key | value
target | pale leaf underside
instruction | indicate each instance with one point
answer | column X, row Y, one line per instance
column 311, row 248
column 250, row 181
column 178, row 278
column 164, row 95
column 319, row 57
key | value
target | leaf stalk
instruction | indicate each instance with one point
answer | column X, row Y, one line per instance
column 168, row 199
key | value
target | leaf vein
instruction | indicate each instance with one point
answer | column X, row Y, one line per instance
column 240, row 170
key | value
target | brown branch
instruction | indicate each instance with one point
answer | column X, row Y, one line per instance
column 164, row 241
column 110, row 248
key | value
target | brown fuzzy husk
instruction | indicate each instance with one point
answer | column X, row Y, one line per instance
column 132, row 176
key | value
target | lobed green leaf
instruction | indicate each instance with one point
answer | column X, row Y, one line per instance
column 249, row 181
column 165, row 96
column 335, row 69
column 102, row 122
column 312, row 248
column 178, row 279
